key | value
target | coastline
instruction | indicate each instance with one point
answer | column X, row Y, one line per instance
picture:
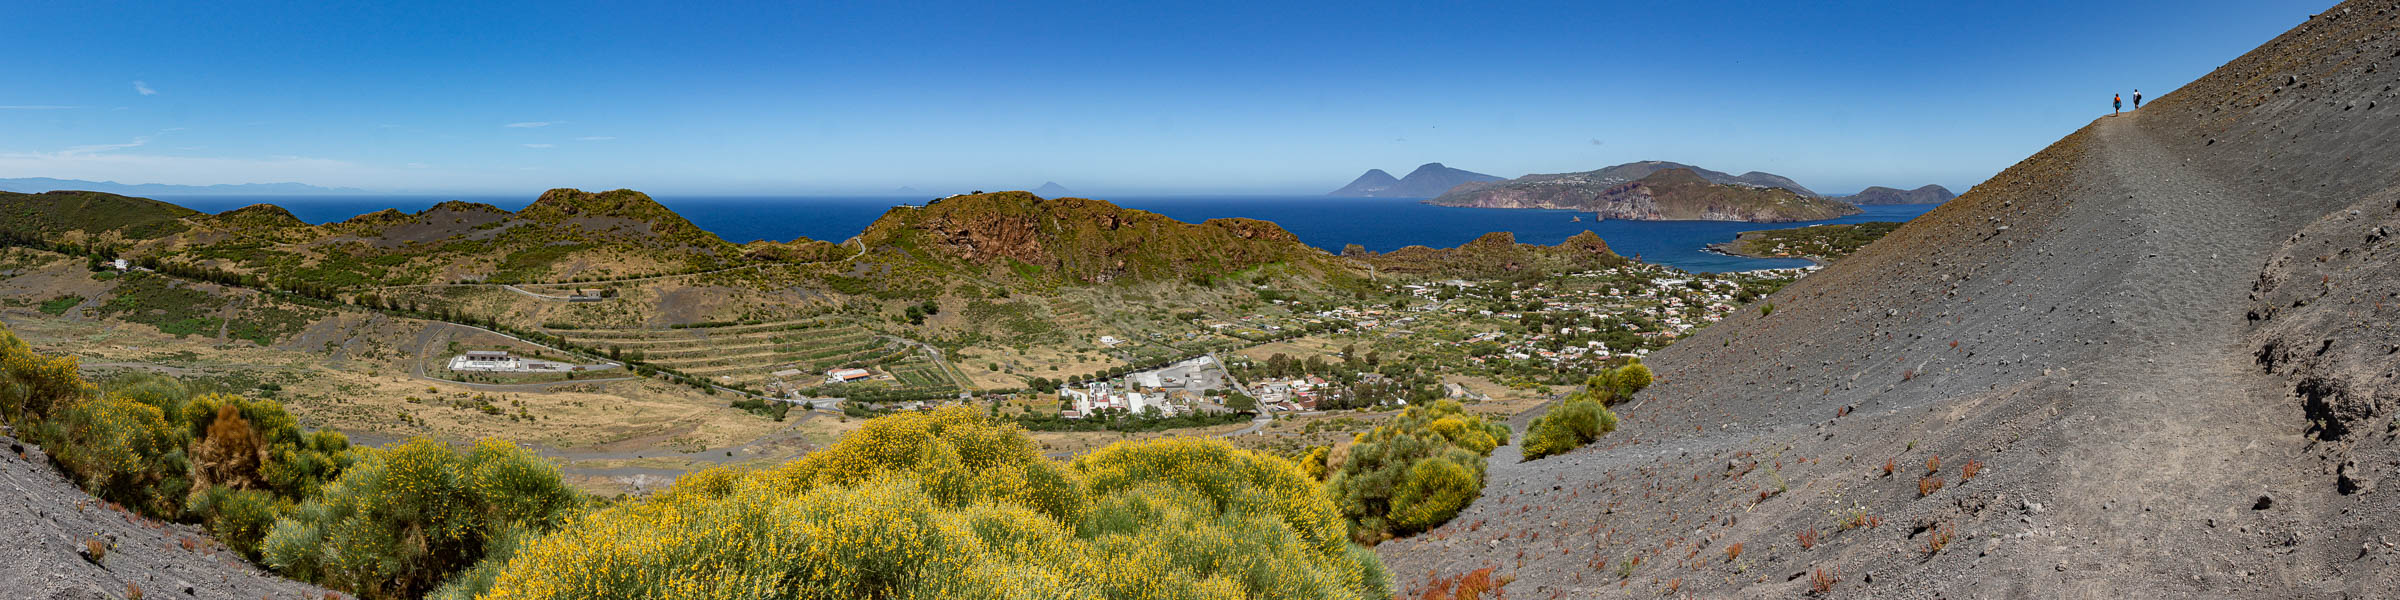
column 1732, row 248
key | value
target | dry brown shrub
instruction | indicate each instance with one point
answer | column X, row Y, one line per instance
column 1940, row 538
column 1968, row 471
column 230, row 454
column 1471, row 586
column 1929, row 485
column 1733, row 552
column 1822, row 582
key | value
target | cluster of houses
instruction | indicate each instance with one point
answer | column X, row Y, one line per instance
column 1299, row 393
column 1176, row 389
column 1673, row 305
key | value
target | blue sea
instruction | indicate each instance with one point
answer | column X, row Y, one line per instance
column 1379, row 224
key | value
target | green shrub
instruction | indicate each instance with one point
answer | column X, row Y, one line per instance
column 1619, row 384
column 1385, row 488
column 949, row 504
column 399, row 521
column 33, row 385
column 1583, row 416
column 123, row 451
column 1575, row 422
column 238, row 518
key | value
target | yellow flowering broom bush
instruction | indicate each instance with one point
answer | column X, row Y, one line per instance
column 121, row 450
column 949, row 504
column 32, row 384
column 1414, row 472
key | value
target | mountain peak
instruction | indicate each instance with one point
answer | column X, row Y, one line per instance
column 1428, row 180
column 1372, row 183
column 1051, row 189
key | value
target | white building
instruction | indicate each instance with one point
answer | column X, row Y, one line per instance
column 846, row 375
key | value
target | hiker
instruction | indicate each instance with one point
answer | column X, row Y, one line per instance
column 2116, row 103
column 2137, row 99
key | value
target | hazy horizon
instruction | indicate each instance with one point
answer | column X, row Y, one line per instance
column 1252, row 99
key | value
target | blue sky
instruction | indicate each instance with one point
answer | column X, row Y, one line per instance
column 1105, row 97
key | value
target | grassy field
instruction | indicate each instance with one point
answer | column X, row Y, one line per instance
column 365, row 387
column 749, row 353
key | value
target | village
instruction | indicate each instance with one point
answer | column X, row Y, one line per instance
column 1397, row 347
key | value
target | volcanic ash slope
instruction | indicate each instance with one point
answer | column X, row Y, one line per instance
column 2164, row 342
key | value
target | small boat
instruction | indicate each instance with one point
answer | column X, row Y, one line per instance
column 1577, row 219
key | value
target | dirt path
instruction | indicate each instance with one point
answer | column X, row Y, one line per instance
column 2166, row 439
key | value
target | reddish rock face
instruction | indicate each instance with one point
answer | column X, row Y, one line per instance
column 1254, row 229
column 982, row 237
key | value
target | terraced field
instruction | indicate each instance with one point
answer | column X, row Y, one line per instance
column 747, row 353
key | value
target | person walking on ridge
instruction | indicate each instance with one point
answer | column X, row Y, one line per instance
column 2116, row 103
column 2137, row 99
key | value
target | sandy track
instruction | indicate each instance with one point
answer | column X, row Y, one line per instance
column 2169, row 439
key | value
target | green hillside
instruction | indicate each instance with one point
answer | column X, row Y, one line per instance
column 51, row 213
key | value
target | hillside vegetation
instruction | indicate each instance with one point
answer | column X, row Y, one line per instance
column 948, row 505
column 1823, row 243
column 1030, row 241
column 1497, row 255
column 1582, row 417
column 945, row 504
column 1414, row 472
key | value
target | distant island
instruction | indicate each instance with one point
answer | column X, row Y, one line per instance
column 46, row 184
column 1051, row 189
column 1429, row 180
column 1879, row 195
column 1656, row 191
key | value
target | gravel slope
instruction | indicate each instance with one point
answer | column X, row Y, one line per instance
column 2080, row 326
column 48, row 522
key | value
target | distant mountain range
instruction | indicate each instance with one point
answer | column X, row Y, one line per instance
column 45, row 184
column 1655, row 190
column 1429, row 180
column 1051, row 189
column 1931, row 194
